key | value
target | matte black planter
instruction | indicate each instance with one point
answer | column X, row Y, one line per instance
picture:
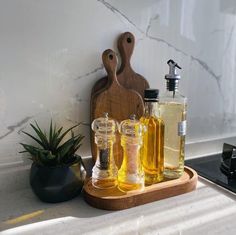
column 57, row 184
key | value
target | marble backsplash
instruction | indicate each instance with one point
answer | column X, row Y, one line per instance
column 50, row 57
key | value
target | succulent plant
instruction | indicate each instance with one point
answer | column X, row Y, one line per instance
column 49, row 150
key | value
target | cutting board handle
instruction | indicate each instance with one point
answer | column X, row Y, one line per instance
column 125, row 45
column 110, row 61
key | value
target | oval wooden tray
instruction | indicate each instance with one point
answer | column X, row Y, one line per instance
column 114, row 199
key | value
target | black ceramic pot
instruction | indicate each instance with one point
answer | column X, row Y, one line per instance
column 58, row 184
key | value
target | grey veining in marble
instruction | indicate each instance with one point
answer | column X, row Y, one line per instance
column 12, row 128
column 51, row 57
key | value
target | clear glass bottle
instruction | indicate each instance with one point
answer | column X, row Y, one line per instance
column 173, row 113
column 152, row 151
column 131, row 174
column 104, row 172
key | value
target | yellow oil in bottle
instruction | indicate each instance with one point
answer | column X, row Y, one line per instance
column 152, row 151
column 174, row 116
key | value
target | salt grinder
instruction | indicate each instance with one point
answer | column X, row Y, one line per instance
column 131, row 174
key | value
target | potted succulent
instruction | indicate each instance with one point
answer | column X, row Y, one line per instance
column 57, row 174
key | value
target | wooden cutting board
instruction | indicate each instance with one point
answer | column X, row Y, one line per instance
column 114, row 199
column 117, row 101
column 126, row 77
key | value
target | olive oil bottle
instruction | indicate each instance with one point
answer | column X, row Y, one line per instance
column 173, row 113
column 152, row 152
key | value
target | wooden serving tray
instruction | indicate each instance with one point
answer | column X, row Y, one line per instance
column 114, row 199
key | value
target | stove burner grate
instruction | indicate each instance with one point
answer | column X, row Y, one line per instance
column 228, row 161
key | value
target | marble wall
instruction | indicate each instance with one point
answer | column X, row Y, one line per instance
column 50, row 57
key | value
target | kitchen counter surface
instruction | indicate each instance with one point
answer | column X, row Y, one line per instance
column 207, row 210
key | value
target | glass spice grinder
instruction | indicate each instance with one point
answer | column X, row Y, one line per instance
column 104, row 172
column 131, row 174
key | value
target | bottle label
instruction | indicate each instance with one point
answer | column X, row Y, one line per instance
column 104, row 159
column 182, row 126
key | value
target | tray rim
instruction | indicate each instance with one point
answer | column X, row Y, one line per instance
column 108, row 202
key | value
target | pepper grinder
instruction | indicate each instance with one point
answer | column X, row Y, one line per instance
column 104, row 172
column 131, row 174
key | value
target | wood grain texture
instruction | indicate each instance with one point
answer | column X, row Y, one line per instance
column 114, row 199
column 125, row 76
column 116, row 100
column 93, row 101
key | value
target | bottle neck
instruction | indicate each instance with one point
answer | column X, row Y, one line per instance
column 171, row 94
column 172, row 85
column 151, row 108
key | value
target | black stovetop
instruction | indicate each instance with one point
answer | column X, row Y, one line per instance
column 209, row 167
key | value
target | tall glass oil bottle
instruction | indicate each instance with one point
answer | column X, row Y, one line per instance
column 131, row 175
column 104, row 172
column 152, row 151
column 173, row 113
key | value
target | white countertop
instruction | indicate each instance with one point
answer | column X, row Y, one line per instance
column 207, row 210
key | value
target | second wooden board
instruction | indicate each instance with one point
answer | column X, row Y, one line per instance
column 126, row 77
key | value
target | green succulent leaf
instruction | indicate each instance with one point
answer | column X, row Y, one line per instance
column 66, row 132
column 54, row 142
column 34, row 138
column 41, row 135
column 64, row 148
column 52, row 131
column 30, row 149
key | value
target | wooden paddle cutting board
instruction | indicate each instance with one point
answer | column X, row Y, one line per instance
column 117, row 101
column 125, row 76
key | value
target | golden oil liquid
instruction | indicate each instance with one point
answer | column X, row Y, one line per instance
column 173, row 114
column 104, row 183
column 130, row 175
column 152, row 151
